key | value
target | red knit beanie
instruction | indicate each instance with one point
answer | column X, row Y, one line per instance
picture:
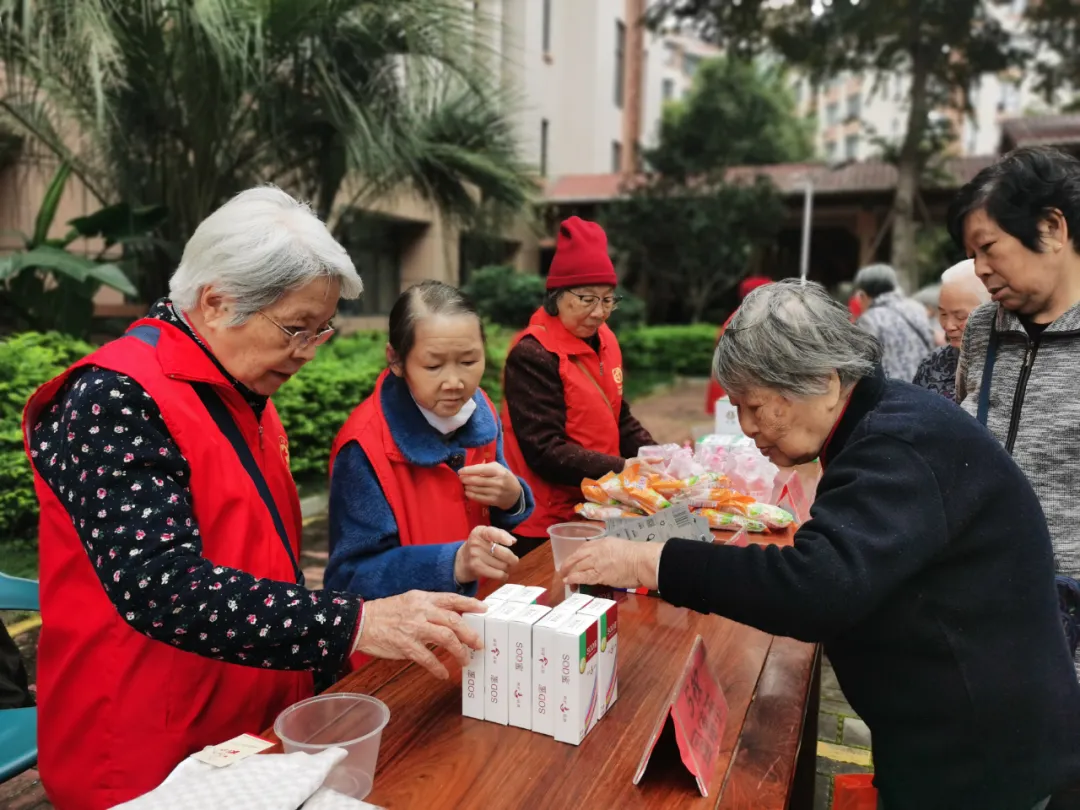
column 581, row 256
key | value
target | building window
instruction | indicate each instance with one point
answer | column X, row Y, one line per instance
column 671, row 53
column 544, row 147
column 832, row 113
column 690, row 65
column 830, row 150
column 375, row 244
column 854, row 105
column 547, row 26
column 851, row 147
column 616, row 157
column 667, row 89
column 620, row 56
column 895, row 128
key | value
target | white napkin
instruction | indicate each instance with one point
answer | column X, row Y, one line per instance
column 264, row 782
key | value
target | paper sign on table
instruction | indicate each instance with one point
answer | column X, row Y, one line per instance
column 675, row 521
column 698, row 711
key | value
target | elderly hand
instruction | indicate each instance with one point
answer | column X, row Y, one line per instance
column 615, row 563
column 485, row 554
column 491, row 484
column 401, row 627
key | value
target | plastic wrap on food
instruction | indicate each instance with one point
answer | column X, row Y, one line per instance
column 648, row 500
column 594, row 511
column 615, row 489
column 731, row 523
column 772, row 516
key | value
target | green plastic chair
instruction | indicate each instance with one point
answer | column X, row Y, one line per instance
column 18, row 727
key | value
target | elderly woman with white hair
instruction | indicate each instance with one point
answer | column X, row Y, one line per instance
column 925, row 568
column 961, row 294
column 174, row 611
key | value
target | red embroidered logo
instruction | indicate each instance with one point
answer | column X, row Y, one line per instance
column 283, row 444
column 616, row 374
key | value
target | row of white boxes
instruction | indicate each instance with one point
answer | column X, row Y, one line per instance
column 550, row 670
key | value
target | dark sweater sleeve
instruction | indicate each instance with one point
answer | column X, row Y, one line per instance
column 104, row 449
column 632, row 435
column 877, row 520
column 534, row 397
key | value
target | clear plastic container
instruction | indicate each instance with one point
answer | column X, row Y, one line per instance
column 352, row 722
column 566, row 538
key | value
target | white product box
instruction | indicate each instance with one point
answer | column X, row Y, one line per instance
column 544, row 667
column 606, row 612
column 497, row 659
column 473, row 680
column 529, row 594
column 520, row 685
column 504, row 593
column 577, row 689
column 573, row 603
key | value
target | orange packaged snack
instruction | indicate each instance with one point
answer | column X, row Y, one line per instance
column 648, row 500
column 595, row 493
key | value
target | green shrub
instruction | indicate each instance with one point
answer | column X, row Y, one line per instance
column 315, row 403
column 680, row 350
column 505, row 297
column 26, row 361
column 630, row 314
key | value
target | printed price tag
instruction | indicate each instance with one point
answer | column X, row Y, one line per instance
column 233, row 750
column 676, row 521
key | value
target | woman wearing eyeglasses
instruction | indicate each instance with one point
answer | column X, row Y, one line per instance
column 563, row 411
column 174, row 612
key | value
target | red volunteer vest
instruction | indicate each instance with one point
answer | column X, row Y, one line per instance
column 428, row 503
column 592, row 388
column 117, row 710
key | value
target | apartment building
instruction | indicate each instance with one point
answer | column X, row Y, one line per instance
column 855, row 112
column 671, row 63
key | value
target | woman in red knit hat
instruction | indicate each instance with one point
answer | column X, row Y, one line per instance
column 746, row 286
column 563, row 410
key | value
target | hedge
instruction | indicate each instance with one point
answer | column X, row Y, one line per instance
column 313, row 405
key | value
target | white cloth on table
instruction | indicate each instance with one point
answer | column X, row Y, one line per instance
column 264, row 782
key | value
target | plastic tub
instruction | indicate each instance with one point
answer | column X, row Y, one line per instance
column 352, row 722
column 566, row 538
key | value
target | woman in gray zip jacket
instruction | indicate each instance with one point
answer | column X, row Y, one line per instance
column 1019, row 369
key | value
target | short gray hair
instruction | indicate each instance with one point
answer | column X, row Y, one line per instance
column 928, row 296
column 792, row 336
column 256, row 248
column 963, row 273
column 876, row 279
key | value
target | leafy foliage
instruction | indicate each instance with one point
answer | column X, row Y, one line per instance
column 504, row 296
column 689, row 230
column 684, row 350
column 942, row 45
column 46, row 287
column 737, row 113
column 26, row 361
column 185, row 104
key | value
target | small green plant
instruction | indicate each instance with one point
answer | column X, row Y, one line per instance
column 46, row 287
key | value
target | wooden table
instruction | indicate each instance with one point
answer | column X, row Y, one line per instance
column 432, row 757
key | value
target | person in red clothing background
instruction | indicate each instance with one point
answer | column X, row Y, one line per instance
column 563, row 414
column 715, row 390
column 174, row 612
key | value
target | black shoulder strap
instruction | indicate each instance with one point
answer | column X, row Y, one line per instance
column 988, row 374
column 220, row 414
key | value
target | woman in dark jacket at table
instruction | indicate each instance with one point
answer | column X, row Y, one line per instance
column 564, row 414
column 925, row 568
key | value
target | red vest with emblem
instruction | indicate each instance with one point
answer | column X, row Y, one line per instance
column 428, row 503
column 592, row 389
column 116, row 709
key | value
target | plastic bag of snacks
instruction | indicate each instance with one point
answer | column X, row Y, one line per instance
column 594, row 493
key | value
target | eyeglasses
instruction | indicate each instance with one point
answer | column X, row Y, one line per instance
column 300, row 339
column 611, row 302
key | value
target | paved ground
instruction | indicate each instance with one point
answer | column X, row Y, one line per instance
column 672, row 415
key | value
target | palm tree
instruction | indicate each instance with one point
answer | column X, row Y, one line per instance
column 183, row 103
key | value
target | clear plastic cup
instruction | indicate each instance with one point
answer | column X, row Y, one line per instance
column 566, row 538
column 352, row 722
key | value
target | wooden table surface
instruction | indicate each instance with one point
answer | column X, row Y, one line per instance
column 432, row 757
